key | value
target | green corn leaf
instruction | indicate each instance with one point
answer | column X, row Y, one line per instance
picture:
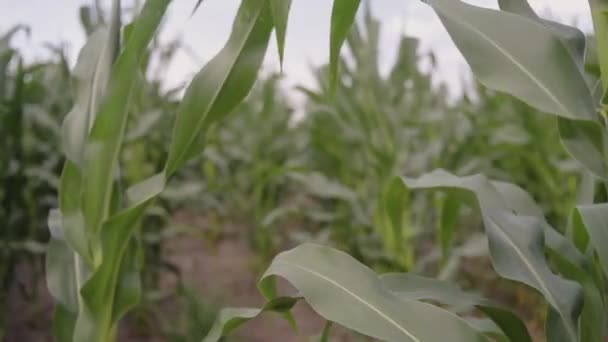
column 223, row 83
column 517, row 251
column 595, row 218
column 91, row 78
column 449, row 216
column 517, row 240
column 231, row 318
column 71, row 216
column 593, row 316
column 490, row 196
column 107, row 134
column 520, row 56
column 61, row 267
column 326, row 332
column 331, row 280
column 599, row 13
column 573, row 38
column 585, row 141
column 412, row 287
column 390, row 219
column 114, row 286
column 342, row 18
column 99, row 292
column 64, row 321
column 280, row 16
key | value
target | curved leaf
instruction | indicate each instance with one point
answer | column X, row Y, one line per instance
column 520, row 56
column 517, row 251
column 573, row 38
column 413, row 287
column 331, row 281
column 223, row 82
column 517, row 241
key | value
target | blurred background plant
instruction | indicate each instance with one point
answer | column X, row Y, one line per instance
column 272, row 179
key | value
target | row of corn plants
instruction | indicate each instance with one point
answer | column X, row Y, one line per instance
column 94, row 260
column 550, row 66
column 401, row 125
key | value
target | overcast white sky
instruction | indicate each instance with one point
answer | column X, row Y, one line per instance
column 307, row 38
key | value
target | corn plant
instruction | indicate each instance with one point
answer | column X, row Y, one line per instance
column 400, row 124
column 542, row 63
column 31, row 107
column 92, row 257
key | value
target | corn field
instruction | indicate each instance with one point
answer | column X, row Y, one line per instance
column 388, row 211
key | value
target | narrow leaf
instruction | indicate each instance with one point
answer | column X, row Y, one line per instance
column 342, row 18
column 223, row 83
column 231, row 318
column 595, row 218
column 108, row 131
column 280, row 16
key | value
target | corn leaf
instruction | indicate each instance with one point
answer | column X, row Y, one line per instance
column 223, row 83
column 231, row 318
column 585, row 141
column 517, row 234
column 595, row 218
column 342, row 18
column 331, row 280
column 412, row 287
column 520, row 56
column 280, row 16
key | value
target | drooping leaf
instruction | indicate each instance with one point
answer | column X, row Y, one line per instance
column 520, row 56
column 413, row 287
column 517, row 233
column 223, row 83
column 517, row 251
column 331, row 280
column 342, row 18
column 573, row 38
column 490, row 196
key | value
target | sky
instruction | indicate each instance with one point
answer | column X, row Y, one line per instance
column 55, row 21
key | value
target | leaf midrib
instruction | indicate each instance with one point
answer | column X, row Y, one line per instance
column 354, row 295
column 535, row 274
column 513, row 60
